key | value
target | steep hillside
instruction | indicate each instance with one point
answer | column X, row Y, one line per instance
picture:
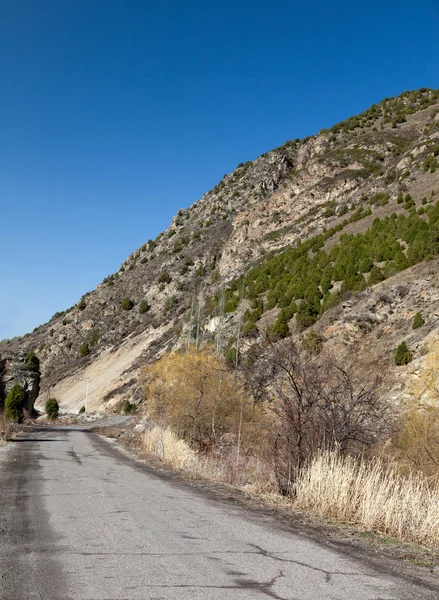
column 286, row 242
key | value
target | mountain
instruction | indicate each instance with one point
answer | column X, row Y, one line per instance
column 336, row 233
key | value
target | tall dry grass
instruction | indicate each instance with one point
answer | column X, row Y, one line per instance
column 6, row 428
column 372, row 495
column 247, row 472
column 163, row 442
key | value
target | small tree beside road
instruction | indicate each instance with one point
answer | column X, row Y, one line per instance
column 52, row 408
column 14, row 404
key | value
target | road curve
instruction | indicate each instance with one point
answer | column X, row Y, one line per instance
column 80, row 521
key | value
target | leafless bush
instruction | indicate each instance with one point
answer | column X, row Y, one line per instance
column 318, row 405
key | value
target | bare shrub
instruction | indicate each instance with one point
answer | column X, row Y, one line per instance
column 318, row 404
column 370, row 494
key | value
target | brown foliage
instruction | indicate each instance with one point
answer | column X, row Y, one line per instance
column 195, row 394
column 416, row 443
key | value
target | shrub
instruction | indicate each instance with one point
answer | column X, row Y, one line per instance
column 32, row 363
column 231, row 357
column 164, row 277
column 14, row 404
column 313, row 342
column 82, row 304
column 52, row 408
column 403, row 355
column 127, row 304
column 129, row 408
column 317, row 404
column 170, row 303
column 143, row 307
column 415, row 444
column 84, row 349
column 418, row 321
column 82, row 410
column 93, row 337
column 375, row 276
column 194, row 394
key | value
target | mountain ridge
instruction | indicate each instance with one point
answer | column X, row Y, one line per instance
column 338, row 181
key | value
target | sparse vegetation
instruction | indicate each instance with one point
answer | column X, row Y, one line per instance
column 127, row 303
column 143, row 307
column 277, row 412
column 403, row 355
column 129, row 408
column 164, row 277
column 418, row 321
column 299, row 280
column 84, row 349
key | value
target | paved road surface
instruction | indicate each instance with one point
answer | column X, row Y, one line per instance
column 80, row 521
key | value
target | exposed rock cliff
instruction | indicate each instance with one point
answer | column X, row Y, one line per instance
column 23, row 368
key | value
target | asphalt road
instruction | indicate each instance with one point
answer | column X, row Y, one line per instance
column 80, row 521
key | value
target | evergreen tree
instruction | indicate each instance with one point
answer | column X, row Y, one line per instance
column 418, row 321
column 14, row 404
column 52, row 408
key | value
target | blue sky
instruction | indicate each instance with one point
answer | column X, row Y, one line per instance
column 116, row 113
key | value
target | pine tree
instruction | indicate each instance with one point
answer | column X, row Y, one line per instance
column 14, row 404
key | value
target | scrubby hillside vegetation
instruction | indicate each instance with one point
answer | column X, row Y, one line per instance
column 271, row 247
column 284, row 326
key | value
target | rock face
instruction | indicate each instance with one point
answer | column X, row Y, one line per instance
column 343, row 177
column 22, row 369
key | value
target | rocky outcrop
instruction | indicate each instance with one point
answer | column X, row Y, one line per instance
column 21, row 367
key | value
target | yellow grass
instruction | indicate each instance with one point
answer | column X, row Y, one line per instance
column 247, row 472
column 5, row 430
column 372, row 495
column 169, row 448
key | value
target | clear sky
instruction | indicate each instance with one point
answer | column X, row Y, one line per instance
column 116, row 113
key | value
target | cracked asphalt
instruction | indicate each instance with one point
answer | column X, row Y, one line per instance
column 78, row 520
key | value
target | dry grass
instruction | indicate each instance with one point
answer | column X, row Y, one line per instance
column 163, row 442
column 249, row 473
column 372, row 495
column 6, row 428
column 246, row 472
